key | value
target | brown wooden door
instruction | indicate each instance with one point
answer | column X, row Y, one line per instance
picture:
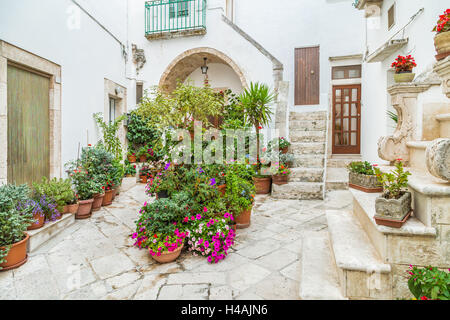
column 307, row 76
column 347, row 119
column 28, row 126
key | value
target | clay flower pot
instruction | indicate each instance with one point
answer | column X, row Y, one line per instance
column 404, row 77
column 168, row 256
column 364, row 182
column 107, row 199
column 243, row 220
column 144, row 179
column 71, row 208
column 262, row 185
column 84, row 209
column 222, row 189
column 393, row 212
column 142, row 159
column 17, row 255
column 280, row 179
column 284, row 150
column 114, row 194
column 442, row 44
column 39, row 220
column 132, row 159
column 98, row 200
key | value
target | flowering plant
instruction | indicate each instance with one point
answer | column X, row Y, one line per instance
column 146, row 151
column 211, row 237
column 361, row 168
column 429, row 283
column 29, row 205
column 48, row 207
column 395, row 182
column 443, row 24
column 282, row 143
column 159, row 243
column 130, row 169
column 144, row 171
column 85, row 186
column 404, row 64
column 282, row 169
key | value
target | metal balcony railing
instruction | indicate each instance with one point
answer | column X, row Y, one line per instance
column 168, row 17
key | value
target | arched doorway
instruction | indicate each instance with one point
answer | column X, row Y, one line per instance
column 191, row 60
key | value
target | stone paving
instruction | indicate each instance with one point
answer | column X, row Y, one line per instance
column 95, row 258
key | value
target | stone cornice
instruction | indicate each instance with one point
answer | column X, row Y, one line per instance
column 411, row 87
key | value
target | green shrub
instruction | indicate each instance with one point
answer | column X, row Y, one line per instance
column 11, row 195
column 361, row 168
column 60, row 190
column 429, row 283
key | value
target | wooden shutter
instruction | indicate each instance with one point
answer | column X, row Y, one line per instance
column 139, row 92
column 391, row 16
column 307, row 76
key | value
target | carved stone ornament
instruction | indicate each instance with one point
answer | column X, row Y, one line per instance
column 138, row 58
column 404, row 101
column 442, row 68
column 438, row 158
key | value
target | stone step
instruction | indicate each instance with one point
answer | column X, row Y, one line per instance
column 308, row 116
column 417, row 150
column 362, row 273
column 309, row 160
column 307, row 136
column 444, row 124
column 307, row 125
column 48, row 231
column 318, row 279
column 298, row 191
column 391, row 243
column 306, row 175
column 342, row 161
column 337, row 179
column 308, row 148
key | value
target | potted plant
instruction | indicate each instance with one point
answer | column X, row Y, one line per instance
column 86, row 187
column 442, row 38
column 283, row 145
column 263, row 180
column 240, row 197
column 130, row 170
column 98, row 198
column 145, row 153
column 36, row 211
column 72, row 205
column 281, row 175
column 157, row 230
column 49, row 208
column 109, row 192
column 362, row 177
column 14, row 223
column 117, row 176
column 131, row 156
column 403, row 68
column 144, row 173
column 393, row 207
column 59, row 190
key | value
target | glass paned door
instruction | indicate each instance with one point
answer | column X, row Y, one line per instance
column 347, row 119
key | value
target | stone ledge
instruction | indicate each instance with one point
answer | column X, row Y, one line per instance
column 48, row 231
column 413, row 226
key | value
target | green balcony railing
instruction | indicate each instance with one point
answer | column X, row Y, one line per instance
column 169, row 16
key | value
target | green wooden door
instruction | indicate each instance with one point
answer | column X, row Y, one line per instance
column 28, row 126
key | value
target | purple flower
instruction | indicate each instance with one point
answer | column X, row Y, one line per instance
column 167, row 166
column 212, row 182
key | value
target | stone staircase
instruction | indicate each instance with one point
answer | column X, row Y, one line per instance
column 337, row 173
column 370, row 261
column 308, row 145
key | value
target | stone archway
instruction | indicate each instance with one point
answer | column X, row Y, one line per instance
column 184, row 64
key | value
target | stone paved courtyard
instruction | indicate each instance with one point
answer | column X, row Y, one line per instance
column 264, row 264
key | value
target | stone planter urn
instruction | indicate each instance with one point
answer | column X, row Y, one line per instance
column 442, row 44
column 404, row 77
column 393, row 212
column 364, row 182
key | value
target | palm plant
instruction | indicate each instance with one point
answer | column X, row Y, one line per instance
column 255, row 101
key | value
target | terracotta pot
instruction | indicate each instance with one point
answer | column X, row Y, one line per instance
column 243, row 220
column 142, row 159
column 404, row 77
column 364, row 182
column 107, row 199
column 169, row 256
column 114, row 193
column 280, row 179
column 143, row 179
column 38, row 223
column 233, row 227
column 17, row 255
column 71, row 208
column 222, row 189
column 84, row 209
column 262, row 185
column 284, row 150
column 132, row 159
column 98, row 200
column 442, row 44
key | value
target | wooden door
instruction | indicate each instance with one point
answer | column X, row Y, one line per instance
column 347, row 119
column 28, row 126
column 307, row 76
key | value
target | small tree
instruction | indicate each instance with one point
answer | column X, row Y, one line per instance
column 256, row 101
column 110, row 139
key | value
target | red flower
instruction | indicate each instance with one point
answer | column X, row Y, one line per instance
column 155, row 236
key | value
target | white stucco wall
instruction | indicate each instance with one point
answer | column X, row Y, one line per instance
column 219, row 76
column 86, row 54
column 378, row 76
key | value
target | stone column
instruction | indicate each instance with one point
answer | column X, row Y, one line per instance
column 442, row 68
column 281, row 108
column 404, row 101
column 3, row 119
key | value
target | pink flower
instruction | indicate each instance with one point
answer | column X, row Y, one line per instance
column 205, row 209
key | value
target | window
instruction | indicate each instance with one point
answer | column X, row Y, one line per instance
column 346, row 72
column 139, row 92
column 182, row 8
column 307, row 76
column 391, row 17
column 112, row 110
